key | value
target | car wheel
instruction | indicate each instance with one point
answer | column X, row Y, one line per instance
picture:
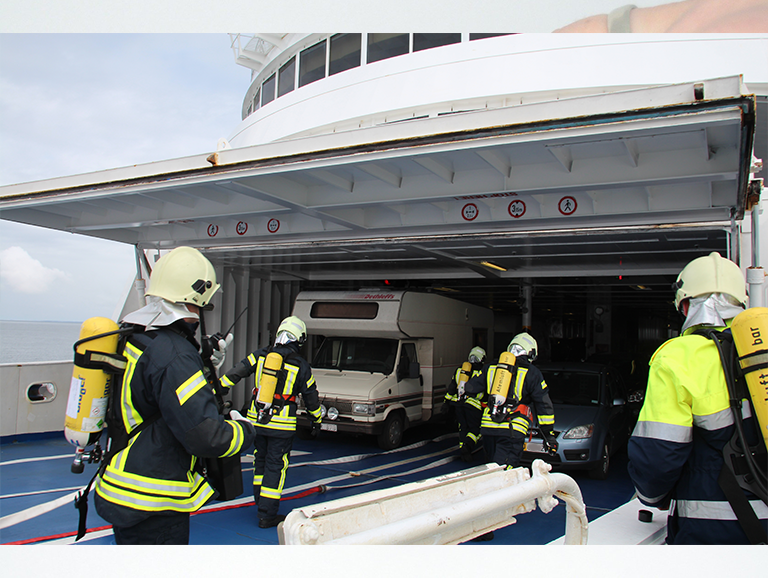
column 601, row 471
column 392, row 434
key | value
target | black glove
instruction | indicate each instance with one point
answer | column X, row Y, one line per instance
column 444, row 408
column 315, row 428
column 550, row 441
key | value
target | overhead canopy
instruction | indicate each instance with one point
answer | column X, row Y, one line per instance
column 624, row 183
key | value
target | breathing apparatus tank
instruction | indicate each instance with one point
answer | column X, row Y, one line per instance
column 750, row 336
column 86, row 411
column 502, row 379
column 464, row 374
column 267, row 384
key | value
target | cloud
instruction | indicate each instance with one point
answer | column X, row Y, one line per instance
column 25, row 274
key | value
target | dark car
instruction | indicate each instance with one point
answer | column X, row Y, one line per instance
column 592, row 419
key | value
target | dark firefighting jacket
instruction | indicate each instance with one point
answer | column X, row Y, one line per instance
column 296, row 379
column 159, row 470
column 675, row 452
column 529, row 388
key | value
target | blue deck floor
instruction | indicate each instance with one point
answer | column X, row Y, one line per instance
column 28, row 479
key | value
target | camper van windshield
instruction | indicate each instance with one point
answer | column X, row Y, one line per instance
column 357, row 353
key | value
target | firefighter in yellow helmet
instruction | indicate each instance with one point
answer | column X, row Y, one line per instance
column 281, row 375
column 149, row 488
column 676, row 450
column 467, row 409
column 508, row 416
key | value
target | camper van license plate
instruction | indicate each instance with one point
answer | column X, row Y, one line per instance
column 328, row 426
column 535, row 447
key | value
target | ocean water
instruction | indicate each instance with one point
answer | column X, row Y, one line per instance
column 25, row 341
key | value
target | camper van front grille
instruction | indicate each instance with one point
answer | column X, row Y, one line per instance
column 342, row 405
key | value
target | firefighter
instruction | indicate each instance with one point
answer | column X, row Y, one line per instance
column 281, row 375
column 148, row 489
column 505, row 425
column 467, row 408
column 676, row 449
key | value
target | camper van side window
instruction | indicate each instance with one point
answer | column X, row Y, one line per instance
column 325, row 310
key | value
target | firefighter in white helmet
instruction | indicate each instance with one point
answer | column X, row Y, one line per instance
column 507, row 412
column 467, row 409
column 149, row 488
column 676, row 450
column 281, row 375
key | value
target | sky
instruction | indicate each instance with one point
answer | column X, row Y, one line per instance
column 75, row 103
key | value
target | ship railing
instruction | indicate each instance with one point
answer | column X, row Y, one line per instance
column 448, row 509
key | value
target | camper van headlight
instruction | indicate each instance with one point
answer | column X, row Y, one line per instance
column 323, row 411
column 364, row 408
column 333, row 413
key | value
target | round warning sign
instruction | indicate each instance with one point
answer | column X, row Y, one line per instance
column 241, row 228
column 213, row 230
column 469, row 212
column 273, row 225
column 516, row 208
column 567, row 205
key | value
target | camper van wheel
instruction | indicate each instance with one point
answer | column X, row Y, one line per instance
column 392, row 434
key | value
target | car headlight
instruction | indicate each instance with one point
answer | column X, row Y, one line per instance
column 333, row 413
column 364, row 408
column 580, row 432
column 323, row 411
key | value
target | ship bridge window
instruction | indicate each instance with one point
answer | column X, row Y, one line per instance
column 480, row 36
column 382, row 46
column 287, row 80
column 268, row 90
column 425, row 41
column 312, row 64
column 345, row 52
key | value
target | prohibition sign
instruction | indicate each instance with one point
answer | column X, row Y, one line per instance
column 273, row 225
column 212, row 230
column 241, row 228
column 516, row 208
column 567, row 205
column 469, row 212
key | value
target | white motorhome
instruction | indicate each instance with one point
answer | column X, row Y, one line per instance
column 382, row 359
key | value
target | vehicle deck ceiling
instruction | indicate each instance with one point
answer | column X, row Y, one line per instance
column 424, row 203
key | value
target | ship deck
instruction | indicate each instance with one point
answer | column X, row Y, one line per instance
column 35, row 471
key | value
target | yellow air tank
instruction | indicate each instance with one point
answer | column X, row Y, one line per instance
column 268, row 380
column 750, row 336
column 502, row 379
column 89, row 390
column 464, row 374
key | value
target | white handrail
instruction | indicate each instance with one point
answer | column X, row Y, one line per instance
column 444, row 510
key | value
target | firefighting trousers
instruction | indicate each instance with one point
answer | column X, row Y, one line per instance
column 468, row 420
column 270, row 464
column 505, row 449
column 164, row 529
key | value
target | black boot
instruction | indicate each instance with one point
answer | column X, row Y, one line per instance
column 271, row 522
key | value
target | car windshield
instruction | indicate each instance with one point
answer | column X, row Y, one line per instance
column 370, row 354
column 573, row 387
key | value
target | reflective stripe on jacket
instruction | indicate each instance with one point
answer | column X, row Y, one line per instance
column 675, row 452
column 157, row 470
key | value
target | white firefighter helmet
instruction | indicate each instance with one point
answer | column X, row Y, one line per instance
column 710, row 274
column 291, row 329
column 523, row 344
column 476, row 355
column 184, row 275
